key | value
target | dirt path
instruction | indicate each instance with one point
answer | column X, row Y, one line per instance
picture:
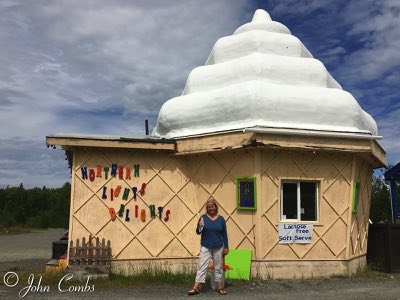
column 27, row 251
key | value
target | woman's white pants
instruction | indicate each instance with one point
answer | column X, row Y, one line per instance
column 205, row 256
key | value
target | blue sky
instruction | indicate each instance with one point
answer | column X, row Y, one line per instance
column 103, row 67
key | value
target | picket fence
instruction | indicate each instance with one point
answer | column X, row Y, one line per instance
column 90, row 253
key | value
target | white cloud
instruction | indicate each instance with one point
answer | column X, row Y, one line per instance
column 105, row 66
column 376, row 25
column 332, row 55
column 298, row 7
column 31, row 162
column 147, row 50
column 99, row 66
column 389, row 127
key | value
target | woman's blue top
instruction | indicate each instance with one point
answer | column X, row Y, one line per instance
column 213, row 234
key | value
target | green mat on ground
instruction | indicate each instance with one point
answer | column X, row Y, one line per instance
column 240, row 261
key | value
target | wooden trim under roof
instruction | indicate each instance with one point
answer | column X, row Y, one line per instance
column 367, row 148
column 210, row 143
column 67, row 142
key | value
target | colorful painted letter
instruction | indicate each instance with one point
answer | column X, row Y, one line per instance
column 92, row 175
column 152, row 211
column 160, row 209
column 167, row 216
column 127, row 219
column 128, row 173
column 143, row 189
column 143, row 215
column 114, row 168
column 106, row 170
column 84, row 173
column 121, row 172
column 112, row 213
column 136, row 168
column 98, row 171
column 121, row 210
column 117, row 191
column 126, row 194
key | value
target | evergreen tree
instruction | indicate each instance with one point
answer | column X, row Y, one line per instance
column 36, row 208
column 380, row 210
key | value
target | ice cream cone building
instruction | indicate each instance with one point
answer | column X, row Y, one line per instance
column 264, row 129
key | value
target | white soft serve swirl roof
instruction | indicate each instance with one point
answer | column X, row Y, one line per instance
column 261, row 76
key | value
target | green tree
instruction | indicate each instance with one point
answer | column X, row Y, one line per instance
column 40, row 208
column 380, row 210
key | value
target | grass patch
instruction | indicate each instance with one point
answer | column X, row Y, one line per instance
column 339, row 275
column 151, row 276
column 155, row 277
column 371, row 271
column 368, row 271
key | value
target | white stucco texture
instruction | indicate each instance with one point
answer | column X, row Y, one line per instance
column 261, row 76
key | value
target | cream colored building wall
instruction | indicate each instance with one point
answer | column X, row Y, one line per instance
column 215, row 175
column 182, row 184
column 179, row 184
column 168, row 186
column 360, row 220
column 333, row 172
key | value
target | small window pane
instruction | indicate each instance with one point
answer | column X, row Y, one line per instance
column 289, row 204
column 308, row 201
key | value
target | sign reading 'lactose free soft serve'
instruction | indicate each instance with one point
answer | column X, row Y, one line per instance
column 295, row 233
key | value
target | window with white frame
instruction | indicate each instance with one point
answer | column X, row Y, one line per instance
column 299, row 200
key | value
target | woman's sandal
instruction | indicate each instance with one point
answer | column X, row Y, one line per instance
column 193, row 292
column 222, row 292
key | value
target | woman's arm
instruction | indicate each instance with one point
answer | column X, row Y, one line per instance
column 200, row 226
column 225, row 236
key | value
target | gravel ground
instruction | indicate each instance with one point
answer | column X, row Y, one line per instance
column 29, row 252
column 385, row 287
column 34, row 245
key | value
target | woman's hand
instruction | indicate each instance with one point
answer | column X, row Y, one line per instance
column 226, row 251
column 201, row 222
column 200, row 226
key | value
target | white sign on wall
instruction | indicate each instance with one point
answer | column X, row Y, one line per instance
column 295, row 233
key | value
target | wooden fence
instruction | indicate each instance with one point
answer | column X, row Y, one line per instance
column 384, row 247
column 86, row 254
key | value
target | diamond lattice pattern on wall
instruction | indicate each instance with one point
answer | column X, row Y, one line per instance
column 183, row 185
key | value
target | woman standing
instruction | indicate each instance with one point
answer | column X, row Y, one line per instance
column 214, row 244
